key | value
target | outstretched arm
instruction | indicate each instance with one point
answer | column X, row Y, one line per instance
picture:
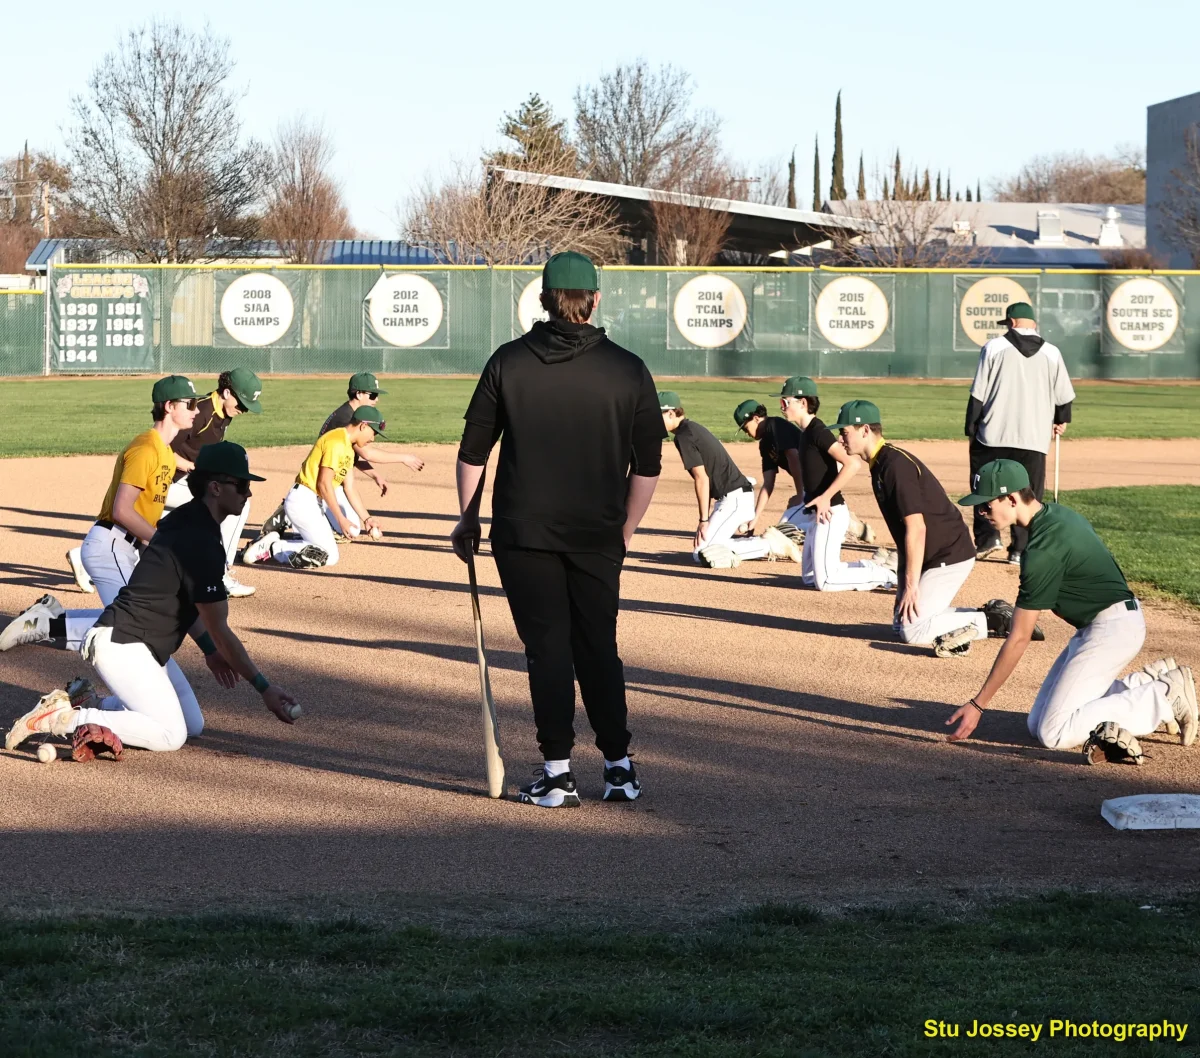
column 215, row 617
column 375, row 454
column 967, row 716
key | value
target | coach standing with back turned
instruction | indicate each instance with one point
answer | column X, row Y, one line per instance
column 580, row 453
column 1020, row 400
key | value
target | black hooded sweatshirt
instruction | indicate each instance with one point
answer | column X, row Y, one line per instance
column 575, row 414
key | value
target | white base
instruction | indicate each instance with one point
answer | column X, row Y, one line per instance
column 1167, row 811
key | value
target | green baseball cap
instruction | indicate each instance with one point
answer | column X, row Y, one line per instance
column 173, row 387
column 1000, row 477
column 1019, row 310
column 857, row 413
column 365, row 382
column 247, row 387
column 745, row 411
column 799, row 386
column 225, row 457
column 570, row 271
column 371, row 415
column 668, row 399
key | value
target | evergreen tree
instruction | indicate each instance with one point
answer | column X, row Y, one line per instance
column 947, row 185
column 939, row 186
column 925, row 188
column 898, row 182
column 968, row 194
column 540, row 141
column 978, row 192
column 791, row 192
column 862, row 180
column 816, row 203
column 837, row 186
column 957, row 196
column 885, row 189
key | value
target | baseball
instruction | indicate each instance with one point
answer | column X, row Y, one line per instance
column 376, row 533
column 295, row 712
column 47, row 753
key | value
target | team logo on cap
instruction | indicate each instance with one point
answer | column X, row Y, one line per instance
column 257, row 394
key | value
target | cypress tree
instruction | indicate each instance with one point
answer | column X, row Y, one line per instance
column 925, row 188
column 978, row 192
column 791, row 192
column 837, row 186
column 862, row 180
column 947, row 185
column 885, row 188
column 957, row 196
column 898, row 182
column 939, row 186
column 816, row 203
column 968, row 194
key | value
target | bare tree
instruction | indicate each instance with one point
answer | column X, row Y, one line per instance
column 907, row 233
column 637, row 126
column 1119, row 179
column 157, row 160
column 1179, row 210
column 692, row 218
column 304, row 201
column 475, row 216
column 31, row 189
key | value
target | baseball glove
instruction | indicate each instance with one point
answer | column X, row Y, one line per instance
column 999, row 616
column 793, row 532
column 91, row 741
column 1110, row 743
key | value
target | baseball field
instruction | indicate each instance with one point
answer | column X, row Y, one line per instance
column 812, row 869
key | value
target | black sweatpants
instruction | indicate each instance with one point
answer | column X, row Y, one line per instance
column 565, row 609
column 1033, row 462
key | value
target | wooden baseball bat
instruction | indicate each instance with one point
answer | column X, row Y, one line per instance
column 491, row 728
column 1057, row 438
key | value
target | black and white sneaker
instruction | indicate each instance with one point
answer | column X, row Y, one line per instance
column 546, row 791
column 621, row 784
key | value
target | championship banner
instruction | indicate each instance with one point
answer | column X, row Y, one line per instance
column 852, row 312
column 257, row 309
column 1142, row 314
column 980, row 306
column 710, row 311
column 407, row 310
column 102, row 321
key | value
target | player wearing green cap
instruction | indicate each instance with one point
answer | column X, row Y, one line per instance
column 1084, row 699
column 934, row 549
column 128, row 518
column 236, row 393
column 312, row 506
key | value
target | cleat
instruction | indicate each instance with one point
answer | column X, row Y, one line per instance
column 718, row 556
column 1158, row 669
column 1014, row 558
column 308, row 557
column 277, row 523
column 235, row 589
column 781, row 546
column 32, row 626
column 956, row 644
column 260, row 550
column 1110, row 743
column 51, row 716
column 546, row 792
column 82, row 694
column 1182, row 690
column 75, row 561
column 52, row 604
column 621, row 784
column 886, row 558
column 987, row 550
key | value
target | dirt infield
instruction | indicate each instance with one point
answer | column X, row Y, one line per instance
column 789, row 747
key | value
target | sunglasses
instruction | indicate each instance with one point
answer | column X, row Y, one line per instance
column 373, row 396
column 189, row 403
column 242, row 486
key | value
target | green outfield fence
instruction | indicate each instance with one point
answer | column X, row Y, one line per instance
column 295, row 319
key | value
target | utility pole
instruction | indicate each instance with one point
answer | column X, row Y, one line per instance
column 45, row 210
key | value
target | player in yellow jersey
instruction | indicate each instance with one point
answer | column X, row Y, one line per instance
column 312, row 505
column 128, row 518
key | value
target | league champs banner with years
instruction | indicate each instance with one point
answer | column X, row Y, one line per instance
column 407, row 310
column 1142, row 315
column 981, row 304
column 852, row 312
column 526, row 300
column 102, row 321
column 710, row 311
column 257, row 309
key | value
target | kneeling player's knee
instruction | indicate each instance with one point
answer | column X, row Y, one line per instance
column 195, row 726
column 911, row 633
column 174, row 735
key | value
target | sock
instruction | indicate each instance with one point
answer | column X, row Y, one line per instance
column 624, row 762
column 58, row 627
column 557, row 767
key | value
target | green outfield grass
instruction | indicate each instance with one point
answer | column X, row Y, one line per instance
column 1153, row 531
column 60, row 416
column 779, row 980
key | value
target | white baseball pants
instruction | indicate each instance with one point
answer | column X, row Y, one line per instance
column 231, row 527
column 307, row 515
column 348, row 512
column 1083, row 689
column 731, row 510
column 823, row 566
column 935, row 615
column 109, row 560
column 152, row 706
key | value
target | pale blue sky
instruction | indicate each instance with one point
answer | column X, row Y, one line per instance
column 406, row 87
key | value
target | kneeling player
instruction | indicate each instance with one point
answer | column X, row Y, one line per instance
column 176, row 590
column 312, row 506
column 1084, row 699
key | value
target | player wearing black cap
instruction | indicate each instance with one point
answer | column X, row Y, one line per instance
column 580, row 452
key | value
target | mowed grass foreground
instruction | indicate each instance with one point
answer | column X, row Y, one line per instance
column 779, row 980
column 63, row 416
column 1153, row 532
